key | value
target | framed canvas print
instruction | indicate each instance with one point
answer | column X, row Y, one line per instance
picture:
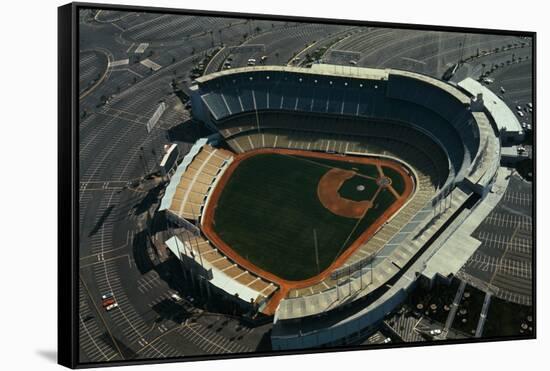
column 237, row 185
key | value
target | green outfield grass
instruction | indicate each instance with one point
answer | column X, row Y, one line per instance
column 269, row 209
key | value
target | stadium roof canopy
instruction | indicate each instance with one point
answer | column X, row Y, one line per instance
column 316, row 69
column 501, row 113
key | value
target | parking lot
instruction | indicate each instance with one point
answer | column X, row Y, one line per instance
column 130, row 64
column 503, row 262
column 516, row 82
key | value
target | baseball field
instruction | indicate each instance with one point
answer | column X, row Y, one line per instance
column 292, row 214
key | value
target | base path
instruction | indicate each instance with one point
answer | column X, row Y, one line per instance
column 285, row 285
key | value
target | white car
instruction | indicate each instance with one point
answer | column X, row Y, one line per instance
column 502, row 90
column 528, row 126
column 520, row 114
column 176, row 297
column 111, row 307
column 524, row 125
column 518, row 107
column 107, row 296
column 530, row 105
column 387, row 340
column 435, row 332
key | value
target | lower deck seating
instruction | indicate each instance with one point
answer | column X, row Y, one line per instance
column 324, row 126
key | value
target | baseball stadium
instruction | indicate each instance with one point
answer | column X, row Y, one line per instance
column 326, row 192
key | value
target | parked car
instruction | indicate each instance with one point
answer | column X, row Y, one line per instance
column 108, row 302
column 176, row 298
column 111, row 307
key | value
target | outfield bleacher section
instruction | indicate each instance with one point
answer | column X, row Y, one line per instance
column 226, row 274
column 194, row 178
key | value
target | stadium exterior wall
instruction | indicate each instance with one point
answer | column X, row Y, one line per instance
column 344, row 332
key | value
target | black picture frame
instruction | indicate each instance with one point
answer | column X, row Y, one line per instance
column 68, row 178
